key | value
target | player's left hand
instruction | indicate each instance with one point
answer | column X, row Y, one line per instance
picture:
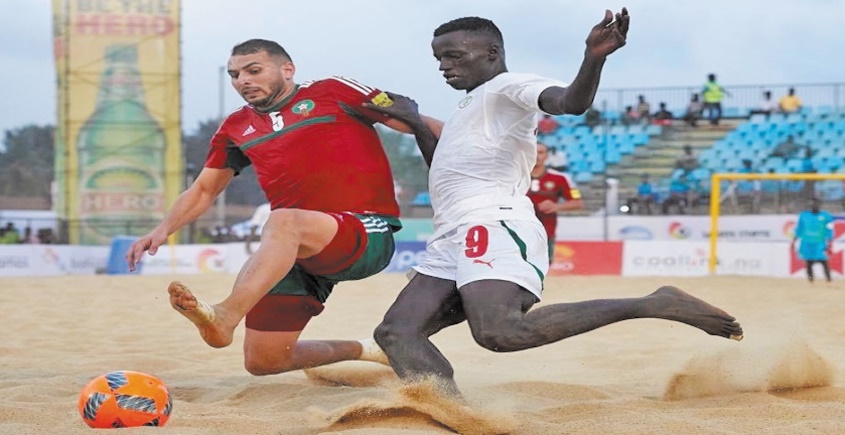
column 547, row 206
column 609, row 35
column 403, row 108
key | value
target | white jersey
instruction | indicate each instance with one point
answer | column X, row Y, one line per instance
column 482, row 166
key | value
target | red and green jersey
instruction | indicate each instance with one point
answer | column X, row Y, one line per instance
column 311, row 151
column 552, row 186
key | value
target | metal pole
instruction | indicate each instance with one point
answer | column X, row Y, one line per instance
column 221, row 199
column 715, row 194
column 605, row 126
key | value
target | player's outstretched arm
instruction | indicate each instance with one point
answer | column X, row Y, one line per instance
column 405, row 117
column 605, row 37
column 190, row 205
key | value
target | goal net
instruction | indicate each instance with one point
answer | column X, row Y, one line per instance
column 772, row 192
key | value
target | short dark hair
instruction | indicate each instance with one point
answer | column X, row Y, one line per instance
column 471, row 24
column 258, row 45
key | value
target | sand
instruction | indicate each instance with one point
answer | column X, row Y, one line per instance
column 634, row 377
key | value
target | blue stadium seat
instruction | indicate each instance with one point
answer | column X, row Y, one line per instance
column 700, row 174
column 824, row 110
column 613, row 156
column 777, row 118
column 611, row 115
column 757, row 118
column 830, row 190
column 794, row 165
column 654, row 130
column 732, row 112
column 421, row 200
column 583, row 177
column 627, row 146
column 597, row 167
column 579, row 165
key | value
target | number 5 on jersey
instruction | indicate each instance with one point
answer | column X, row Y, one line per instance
column 278, row 121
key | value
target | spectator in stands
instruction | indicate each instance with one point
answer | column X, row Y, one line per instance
column 679, row 195
column 790, row 103
column 694, row 109
column 767, row 105
column 786, row 149
column 662, row 116
column 547, row 125
column 592, row 117
column 644, row 109
column 644, row 198
column 713, row 94
column 630, row 116
column 814, row 234
column 687, row 161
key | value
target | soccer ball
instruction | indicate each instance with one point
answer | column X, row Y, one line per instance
column 125, row 399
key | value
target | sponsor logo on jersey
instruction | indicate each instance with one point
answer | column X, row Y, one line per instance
column 249, row 130
column 465, row 102
column 303, row 107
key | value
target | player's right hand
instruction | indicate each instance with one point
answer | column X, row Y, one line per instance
column 150, row 243
column 403, row 108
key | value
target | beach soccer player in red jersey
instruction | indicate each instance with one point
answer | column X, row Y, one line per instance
column 327, row 177
column 548, row 187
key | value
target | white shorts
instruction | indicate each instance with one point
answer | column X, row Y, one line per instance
column 513, row 251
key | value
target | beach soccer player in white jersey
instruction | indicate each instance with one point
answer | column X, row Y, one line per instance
column 486, row 261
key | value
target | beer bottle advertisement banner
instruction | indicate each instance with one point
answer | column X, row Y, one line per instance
column 118, row 143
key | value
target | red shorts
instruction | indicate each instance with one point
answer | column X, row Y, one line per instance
column 291, row 312
column 346, row 247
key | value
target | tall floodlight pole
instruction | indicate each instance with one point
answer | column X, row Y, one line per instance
column 221, row 199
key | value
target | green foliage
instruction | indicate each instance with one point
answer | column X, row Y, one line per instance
column 409, row 168
column 244, row 189
column 26, row 161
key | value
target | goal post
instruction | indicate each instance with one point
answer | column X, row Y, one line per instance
column 716, row 196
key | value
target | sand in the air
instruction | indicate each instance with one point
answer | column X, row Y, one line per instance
column 635, row 377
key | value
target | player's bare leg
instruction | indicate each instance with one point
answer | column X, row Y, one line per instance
column 288, row 234
column 273, row 352
column 425, row 306
column 215, row 324
column 500, row 320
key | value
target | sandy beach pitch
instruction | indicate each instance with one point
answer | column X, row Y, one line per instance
column 634, row 377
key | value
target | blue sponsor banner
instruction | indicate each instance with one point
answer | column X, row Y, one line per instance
column 407, row 254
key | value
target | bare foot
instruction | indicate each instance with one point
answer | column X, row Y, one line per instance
column 370, row 351
column 204, row 316
column 673, row 304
